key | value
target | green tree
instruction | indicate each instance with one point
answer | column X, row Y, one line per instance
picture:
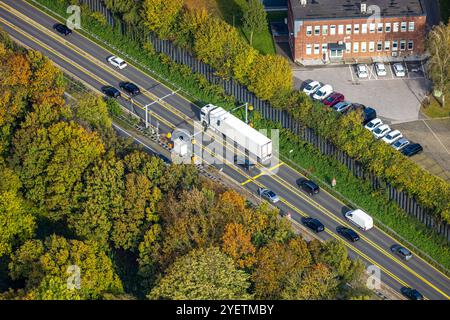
column 254, row 18
column 160, row 15
column 203, row 274
column 92, row 111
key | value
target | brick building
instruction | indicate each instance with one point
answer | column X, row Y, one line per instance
column 324, row 31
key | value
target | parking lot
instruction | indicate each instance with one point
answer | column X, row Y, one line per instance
column 395, row 99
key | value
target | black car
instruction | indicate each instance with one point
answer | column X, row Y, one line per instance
column 368, row 113
column 411, row 294
column 245, row 163
column 111, row 92
column 63, row 29
column 348, row 233
column 412, row 149
column 130, row 88
column 309, row 186
column 313, row 224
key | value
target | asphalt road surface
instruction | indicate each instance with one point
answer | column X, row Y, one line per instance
column 87, row 61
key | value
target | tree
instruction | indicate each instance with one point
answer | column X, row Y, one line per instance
column 254, row 18
column 317, row 283
column 438, row 44
column 160, row 15
column 203, row 274
column 93, row 111
column 238, row 245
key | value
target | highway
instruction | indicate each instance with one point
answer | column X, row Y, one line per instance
column 87, row 61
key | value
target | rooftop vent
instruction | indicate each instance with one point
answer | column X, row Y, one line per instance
column 303, row 3
column 363, row 7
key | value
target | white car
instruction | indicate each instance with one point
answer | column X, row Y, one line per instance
column 381, row 131
column 400, row 144
column 399, row 70
column 372, row 125
column 362, row 71
column 117, row 62
column 392, row 137
column 380, row 69
column 311, row 87
column 323, row 92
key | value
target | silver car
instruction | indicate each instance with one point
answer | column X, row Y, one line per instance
column 269, row 195
column 402, row 252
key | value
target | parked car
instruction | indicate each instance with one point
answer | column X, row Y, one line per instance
column 130, row 88
column 117, row 62
column 313, row 224
column 312, row 87
column 362, row 71
column 359, row 218
column 342, row 106
column 368, row 114
column 392, row 136
column 411, row 294
column 399, row 70
column 63, row 29
column 372, row 125
column 348, row 233
column 333, row 99
column 381, row 131
column 269, row 195
column 400, row 144
column 412, row 149
column 111, row 92
column 402, row 252
column 244, row 162
column 323, row 92
column 309, row 186
column 380, row 69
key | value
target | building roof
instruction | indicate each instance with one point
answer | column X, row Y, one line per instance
column 341, row 9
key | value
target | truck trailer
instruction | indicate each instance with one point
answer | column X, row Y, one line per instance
column 224, row 123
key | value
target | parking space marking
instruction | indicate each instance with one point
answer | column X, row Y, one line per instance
column 351, row 72
column 437, row 138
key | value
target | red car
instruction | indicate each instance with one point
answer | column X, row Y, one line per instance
column 333, row 99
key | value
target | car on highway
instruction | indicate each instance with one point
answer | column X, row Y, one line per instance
column 362, row 71
column 411, row 294
column 381, row 131
column 400, row 144
column 111, row 92
column 392, row 136
column 333, row 99
column 244, row 162
column 129, row 88
column 359, row 218
column 380, row 69
column 62, row 29
column 372, row 125
column 323, row 92
column 312, row 87
column 412, row 149
column 313, row 224
column 348, row 233
column 342, row 106
column 269, row 195
column 399, row 70
column 402, row 252
column 117, row 62
column 309, row 186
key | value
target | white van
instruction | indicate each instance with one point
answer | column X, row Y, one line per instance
column 360, row 219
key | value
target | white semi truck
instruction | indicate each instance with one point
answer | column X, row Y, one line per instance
column 223, row 122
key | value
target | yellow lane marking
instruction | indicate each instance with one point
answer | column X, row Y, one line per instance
column 262, row 173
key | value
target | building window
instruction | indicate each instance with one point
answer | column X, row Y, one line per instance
column 324, row 47
column 395, row 45
column 308, row 30
column 332, row 30
column 356, row 28
column 387, row 27
column 317, row 30
column 324, row 30
column 363, row 46
column 308, row 49
column 371, row 46
column 372, row 28
column 380, row 28
column 403, row 27
column 402, row 45
column 410, row 45
column 348, row 47
column 316, row 49
column 396, row 26
column 348, row 29
column 379, row 45
column 387, row 45
column 355, row 47
column 341, row 29
column 364, row 28
column 411, row 26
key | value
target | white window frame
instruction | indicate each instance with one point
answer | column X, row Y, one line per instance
column 410, row 42
column 316, row 48
column 380, row 27
column 387, row 46
column 348, row 29
column 387, row 27
column 324, row 47
column 379, row 46
column 324, row 30
column 308, row 49
column 395, row 45
column 355, row 47
column 332, row 30
column 348, row 47
column 411, row 26
column 372, row 46
column 372, row 28
column 341, row 29
column 402, row 44
column 317, row 30
column 364, row 28
column 363, row 47
column 356, row 28
column 403, row 26
column 395, row 27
